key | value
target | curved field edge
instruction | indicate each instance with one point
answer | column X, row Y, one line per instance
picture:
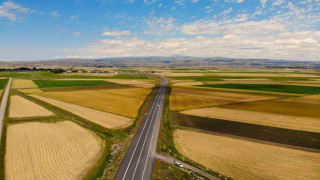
column 166, row 142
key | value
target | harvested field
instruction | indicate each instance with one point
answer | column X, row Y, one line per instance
column 228, row 96
column 315, row 98
column 187, row 83
column 242, row 159
column 178, row 102
column 63, row 83
column 301, row 139
column 62, row 150
column 266, row 74
column 23, row 83
column 259, row 118
column 28, row 91
column 21, row 108
column 170, row 74
column 270, row 87
column 101, row 118
column 286, row 107
column 124, row 102
column 134, row 82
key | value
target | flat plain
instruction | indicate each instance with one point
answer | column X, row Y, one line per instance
column 101, row 118
column 22, row 108
column 62, row 150
column 134, row 82
column 23, row 83
column 68, row 83
column 267, row 119
column 241, row 159
column 124, row 102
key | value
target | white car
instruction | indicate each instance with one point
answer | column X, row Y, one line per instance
column 177, row 164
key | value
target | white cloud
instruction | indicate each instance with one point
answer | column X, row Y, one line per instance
column 74, row 17
column 160, row 25
column 116, row 33
column 54, row 14
column 263, row 2
column 277, row 2
column 77, row 33
column 10, row 10
column 237, row 1
column 150, row 1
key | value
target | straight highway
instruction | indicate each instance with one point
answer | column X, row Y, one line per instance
column 138, row 161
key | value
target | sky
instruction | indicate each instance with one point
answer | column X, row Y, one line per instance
column 59, row 29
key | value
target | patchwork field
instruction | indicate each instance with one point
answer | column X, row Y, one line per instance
column 187, row 83
column 227, row 96
column 67, row 83
column 269, row 87
column 178, row 102
column 101, row 118
column 300, row 139
column 266, row 119
column 21, row 108
column 28, row 91
column 124, row 102
column 312, row 98
column 23, row 83
column 242, row 159
column 286, row 107
column 62, row 150
column 133, row 82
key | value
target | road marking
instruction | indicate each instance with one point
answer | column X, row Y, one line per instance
column 141, row 133
column 144, row 166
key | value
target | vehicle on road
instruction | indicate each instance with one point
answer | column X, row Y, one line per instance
column 176, row 163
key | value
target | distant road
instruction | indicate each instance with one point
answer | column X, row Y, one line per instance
column 138, row 161
column 4, row 105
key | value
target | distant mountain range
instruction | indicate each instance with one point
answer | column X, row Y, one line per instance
column 169, row 62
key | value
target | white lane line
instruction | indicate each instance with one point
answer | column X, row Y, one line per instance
column 141, row 135
column 144, row 166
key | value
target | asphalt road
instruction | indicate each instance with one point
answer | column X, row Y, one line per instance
column 4, row 105
column 138, row 161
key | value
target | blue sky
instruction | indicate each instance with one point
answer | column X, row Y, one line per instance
column 274, row 29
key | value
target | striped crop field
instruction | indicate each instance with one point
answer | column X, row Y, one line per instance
column 21, row 108
column 23, row 83
column 63, row 150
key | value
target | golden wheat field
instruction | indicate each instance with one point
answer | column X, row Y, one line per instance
column 62, row 150
column 28, row 91
column 312, row 98
column 21, row 107
column 134, row 82
column 245, row 160
column 101, row 118
column 171, row 74
column 125, row 102
column 260, row 118
column 23, row 83
column 282, row 106
column 228, row 96
column 178, row 102
column 187, row 83
column 265, row 75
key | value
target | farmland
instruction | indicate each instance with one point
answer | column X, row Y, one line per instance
column 243, row 159
column 62, row 150
column 124, row 102
column 260, row 118
column 133, row 82
column 3, row 82
column 23, row 83
column 22, row 108
column 67, row 83
column 101, row 118
column 270, row 87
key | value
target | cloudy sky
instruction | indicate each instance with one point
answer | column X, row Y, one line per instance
column 53, row 29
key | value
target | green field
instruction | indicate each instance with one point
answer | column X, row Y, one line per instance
column 62, row 83
column 3, row 82
column 269, row 87
column 220, row 78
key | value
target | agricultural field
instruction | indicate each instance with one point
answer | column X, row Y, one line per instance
column 28, row 91
column 120, row 101
column 62, row 150
column 23, row 108
column 101, row 118
column 178, row 102
column 270, row 88
column 68, row 83
column 133, row 82
column 23, row 84
column 241, row 159
column 266, row 119
column 3, row 83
